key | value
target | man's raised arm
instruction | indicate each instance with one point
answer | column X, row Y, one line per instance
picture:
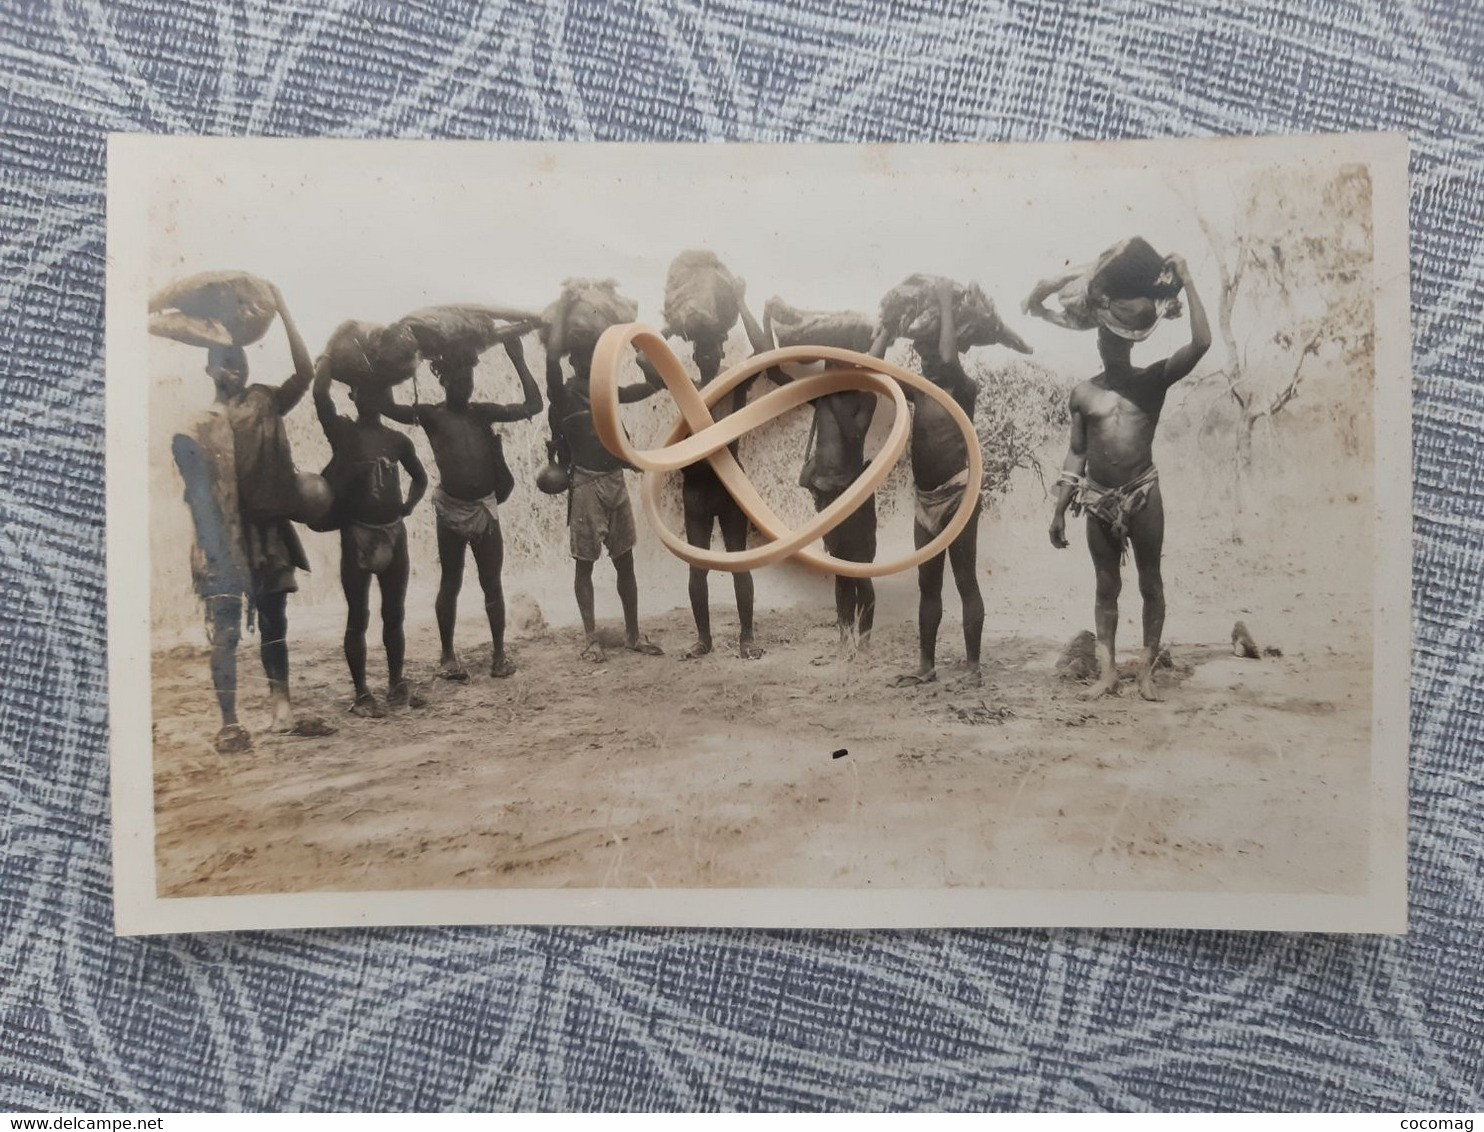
column 324, row 403
column 557, row 449
column 641, row 390
column 287, row 395
column 758, row 337
column 521, row 410
column 947, row 328
column 1072, row 470
column 392, row 411
column 1183, row 360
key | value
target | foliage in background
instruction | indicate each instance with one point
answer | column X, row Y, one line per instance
column 1022, row 408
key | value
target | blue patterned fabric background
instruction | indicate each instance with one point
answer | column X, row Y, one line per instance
column 518, row 1018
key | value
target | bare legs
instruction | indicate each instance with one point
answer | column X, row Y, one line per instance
column 489, row 561
column 963, row 555
column 733, row 522
column 392, row 582
column 628, row 596
column 1146, row 534
column 446, row 605
column 224, row 629
column 273, row 627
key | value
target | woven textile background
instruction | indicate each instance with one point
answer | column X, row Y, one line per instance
column 576, row 1019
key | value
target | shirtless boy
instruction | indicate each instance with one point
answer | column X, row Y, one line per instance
column 708, row 504
column 599, row 513
column 940, row 476
column 240, row 482
column 373, row 537
column 1109, row 472
column 471, row 468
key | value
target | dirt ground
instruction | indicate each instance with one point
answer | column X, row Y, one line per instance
column 641, row 771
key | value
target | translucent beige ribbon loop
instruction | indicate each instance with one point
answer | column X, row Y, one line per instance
column 698, row 436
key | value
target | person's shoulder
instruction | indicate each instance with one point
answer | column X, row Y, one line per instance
column 1155, row 369
column 254, row 401
column 1085, row 388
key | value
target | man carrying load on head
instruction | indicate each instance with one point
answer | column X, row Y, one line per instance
column 702, row 302
column 373, row 537
column 834, row 455
column 473, row 479
column 1109, row 471
column 943, row 320
column 242, row 488
column 599, row 513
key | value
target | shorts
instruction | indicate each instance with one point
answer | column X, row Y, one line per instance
column 854, row 540
column 599, row 514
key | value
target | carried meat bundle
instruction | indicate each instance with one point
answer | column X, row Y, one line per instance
column 360, row 352
column 585, row 309
column 464, row 329
column 364, row 353
column 214, row 308
column 700, row 297
column 1127, row 289
column 910, row 310
column 849, row 330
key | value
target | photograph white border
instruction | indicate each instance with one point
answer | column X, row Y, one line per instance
column 139, row 910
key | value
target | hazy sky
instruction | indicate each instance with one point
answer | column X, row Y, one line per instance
column 374, row 230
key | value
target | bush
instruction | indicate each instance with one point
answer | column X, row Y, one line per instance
column 1022, row 408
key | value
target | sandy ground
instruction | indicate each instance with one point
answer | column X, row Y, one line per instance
column 645, row 771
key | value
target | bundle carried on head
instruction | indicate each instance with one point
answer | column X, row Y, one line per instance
column 700, row 299
column 585, row 309
column 214, row 308
column 363, row 353
column 1127, row 290
column 910, row 310
column 460, row 329
column 849, row 330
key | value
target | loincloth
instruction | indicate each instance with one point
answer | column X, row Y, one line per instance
column 469, row 519
column 934, row 507
column 1114, row 507
column 373, row 545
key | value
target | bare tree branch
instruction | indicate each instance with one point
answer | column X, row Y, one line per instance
column 1291, row 390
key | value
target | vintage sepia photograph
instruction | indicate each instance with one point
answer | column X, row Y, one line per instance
column 394, row 639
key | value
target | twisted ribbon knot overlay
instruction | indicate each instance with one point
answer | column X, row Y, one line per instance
column 697, row 436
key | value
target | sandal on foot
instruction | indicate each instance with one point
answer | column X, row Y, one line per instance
column 232, row 739
column 405, row 695
column 367, row 706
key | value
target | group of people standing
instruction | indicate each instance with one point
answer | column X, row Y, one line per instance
column 245, row 563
